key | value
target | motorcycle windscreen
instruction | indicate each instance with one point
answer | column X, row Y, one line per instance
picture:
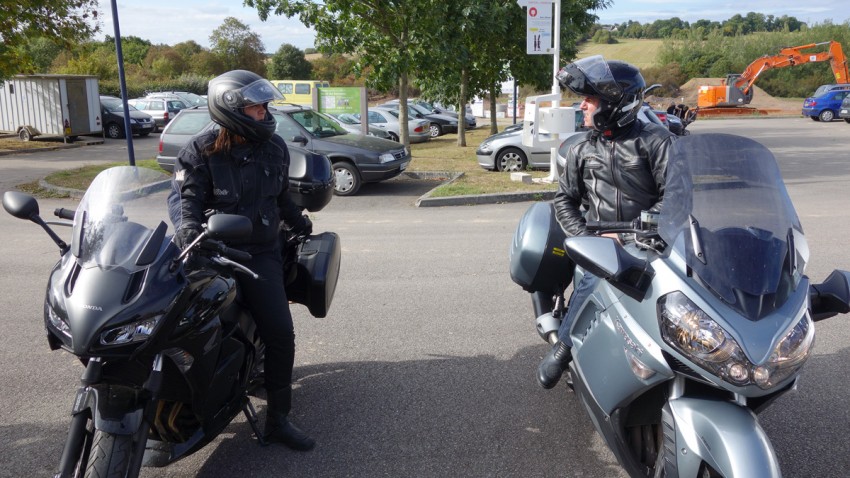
column 727, row 213
column 118, row 223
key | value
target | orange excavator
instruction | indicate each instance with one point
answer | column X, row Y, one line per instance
column 737, row 89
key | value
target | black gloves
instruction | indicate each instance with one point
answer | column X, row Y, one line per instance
column 302, row 227
column 185, row 236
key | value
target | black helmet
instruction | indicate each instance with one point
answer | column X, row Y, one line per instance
column 617, row 84
column 230, row 92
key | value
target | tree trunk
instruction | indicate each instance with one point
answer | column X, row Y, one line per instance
column 461, row 110
column 494, row 127
column 404, row 132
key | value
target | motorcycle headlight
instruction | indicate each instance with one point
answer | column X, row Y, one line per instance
column 128, row 333
column 694, row 334
column 56, row 321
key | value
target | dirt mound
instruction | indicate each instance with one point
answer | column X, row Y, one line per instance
column 761, row 99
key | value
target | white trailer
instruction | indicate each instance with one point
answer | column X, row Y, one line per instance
column 54, row 105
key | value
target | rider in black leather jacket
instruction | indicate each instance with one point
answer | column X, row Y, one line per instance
column 242, row 168
column 612, row 174
column 617, row 176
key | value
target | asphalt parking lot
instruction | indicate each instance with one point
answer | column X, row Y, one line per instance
column 425, row 365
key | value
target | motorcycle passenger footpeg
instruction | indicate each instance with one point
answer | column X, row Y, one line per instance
column 251, row 416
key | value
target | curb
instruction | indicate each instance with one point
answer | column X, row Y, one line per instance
column 426, row 200
column 78, row 193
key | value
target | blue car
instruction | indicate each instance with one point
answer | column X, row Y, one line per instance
column 825, row 103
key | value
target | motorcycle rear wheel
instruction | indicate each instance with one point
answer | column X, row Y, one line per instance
column 110, row 456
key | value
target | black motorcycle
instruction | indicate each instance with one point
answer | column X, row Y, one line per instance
column 170, row 354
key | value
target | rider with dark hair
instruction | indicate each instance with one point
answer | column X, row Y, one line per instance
column 242, row 168
column 613, row 174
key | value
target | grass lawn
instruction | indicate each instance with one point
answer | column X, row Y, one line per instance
column 641, row 53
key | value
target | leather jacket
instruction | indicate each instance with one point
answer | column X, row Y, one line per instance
column 613, row 179
column 251, row 180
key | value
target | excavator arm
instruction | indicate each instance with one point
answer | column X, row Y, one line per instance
column 737, row 89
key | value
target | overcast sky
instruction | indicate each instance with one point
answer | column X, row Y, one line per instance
column 174, row 21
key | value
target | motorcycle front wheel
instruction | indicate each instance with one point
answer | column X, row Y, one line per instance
column 111, row 456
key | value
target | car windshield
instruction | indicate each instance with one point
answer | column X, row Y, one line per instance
column 193, row 99
column 317, row 123
column 728, row 215
column 349, row 118
column 419, row 109
column 114, row 105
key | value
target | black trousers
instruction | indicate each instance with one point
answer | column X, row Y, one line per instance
column 266, row 299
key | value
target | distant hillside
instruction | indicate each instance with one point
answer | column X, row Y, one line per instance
column 641, row 53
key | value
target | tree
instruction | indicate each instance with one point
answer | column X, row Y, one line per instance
column 381, row 34
column 61, row 21
column 238, row 47
column 289, row 63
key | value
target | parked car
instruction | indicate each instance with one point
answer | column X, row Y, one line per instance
column 190, row 99
column 824, row 104
column 417, row 129
column 353, row 125
column 440, row 124
column 844, row 112
column 471, row 123
column 161, row 109
column 356, row 159
column 112, row 118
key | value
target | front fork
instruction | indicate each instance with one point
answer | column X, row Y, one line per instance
column 86, row 408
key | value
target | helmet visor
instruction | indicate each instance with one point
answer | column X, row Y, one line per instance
column 258, row 92
column 591, row 77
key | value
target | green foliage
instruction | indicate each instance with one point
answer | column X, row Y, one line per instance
column 62, row 22
column 604, row 36
column 289, row 63
column 238, row 47
column 736, row 25
column 337, row 69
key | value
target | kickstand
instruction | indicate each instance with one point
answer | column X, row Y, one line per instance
column 251, row 415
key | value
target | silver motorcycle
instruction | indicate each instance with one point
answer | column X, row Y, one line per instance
column 701, row 315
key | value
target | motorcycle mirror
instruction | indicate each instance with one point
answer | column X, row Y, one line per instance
column 605, row 257
column 228, row 226
column 20, row 205
column 830, row 297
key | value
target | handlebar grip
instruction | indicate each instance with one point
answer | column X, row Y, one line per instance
column 608, row 225
column 236, row 254
column 63, row 213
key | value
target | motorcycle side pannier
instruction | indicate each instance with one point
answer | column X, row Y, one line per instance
column 538, row 259
column 311, row 179
column 313, row 275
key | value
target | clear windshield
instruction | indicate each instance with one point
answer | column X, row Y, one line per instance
column 318, row 124
column 115, row 105
column 116, row 218
column 727, row 213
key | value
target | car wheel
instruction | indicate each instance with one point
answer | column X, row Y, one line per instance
column 113, row 131
column 347, row 179
column 435, row 130
column 393, row 136
column 511, row 159
column 826, row 115
column 24, row 134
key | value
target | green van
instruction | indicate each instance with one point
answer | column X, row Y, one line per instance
column 299, row 92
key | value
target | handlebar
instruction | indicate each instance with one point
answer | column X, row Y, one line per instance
column 217, row 246
column 63, row 213
column 612, row 226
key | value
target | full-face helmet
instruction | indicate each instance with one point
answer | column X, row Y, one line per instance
column 231, row 92
column 618, row 86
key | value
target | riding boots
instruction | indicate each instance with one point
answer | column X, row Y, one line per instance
column 553, row 365
column 278, row 427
